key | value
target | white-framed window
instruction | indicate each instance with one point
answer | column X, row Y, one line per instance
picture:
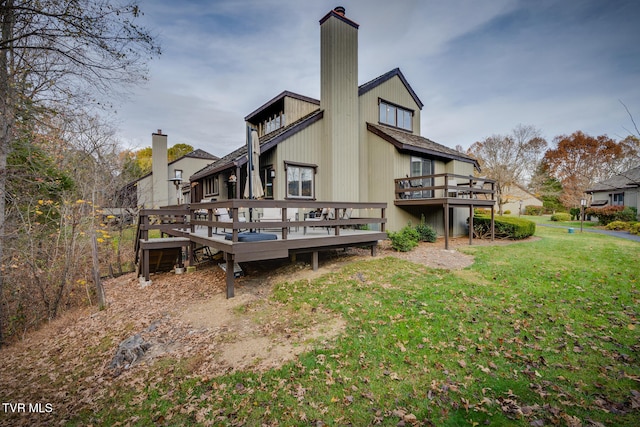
column 300, row 181
column 617, row 199
column 396, row 116
column 211, row 186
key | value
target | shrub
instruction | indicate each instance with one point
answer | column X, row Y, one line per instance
column 405, row 239
column 507, row 212
column 533, row 210
column 561, row 216
column 634, row 228
column 606, row 214
column 575, row 213
column 618, row 225
column 505, row 227
column 425, row 232
column 628, row 214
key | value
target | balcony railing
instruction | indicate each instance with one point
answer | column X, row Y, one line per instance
column 445, row 186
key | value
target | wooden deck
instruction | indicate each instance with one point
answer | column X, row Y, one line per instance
column 448, row 190
column 292, row 236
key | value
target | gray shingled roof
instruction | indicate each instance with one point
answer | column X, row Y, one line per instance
column 628, row 179
column 409, row 142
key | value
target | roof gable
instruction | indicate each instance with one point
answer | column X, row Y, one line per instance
column 388, row 76
column 277, row 98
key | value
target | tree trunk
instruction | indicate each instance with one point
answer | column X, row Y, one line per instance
column 102, row 300
column 6, row 130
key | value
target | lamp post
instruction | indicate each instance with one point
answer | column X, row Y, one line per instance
column 583, row 203
column 520, row 210
column 177, row 181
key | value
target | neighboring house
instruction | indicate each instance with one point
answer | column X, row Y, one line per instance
column 619, row 190
column 517, row 199
column 348, row 146
column 168, row 182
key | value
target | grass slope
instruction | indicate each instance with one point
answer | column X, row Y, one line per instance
column 534, row 333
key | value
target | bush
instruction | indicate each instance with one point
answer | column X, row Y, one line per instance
column 634, row 228
column 505, row 227
column 425, row 232
column 533, row 210
column 605, row 215
column 618, row 225
column 405, row 239
column 575, row 214
column 628, row 214
column 561, row 216
column 507, row 212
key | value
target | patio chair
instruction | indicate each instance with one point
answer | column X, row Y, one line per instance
column 479, row 185
column 222, row 215
column 275, row 215
column 324, row 215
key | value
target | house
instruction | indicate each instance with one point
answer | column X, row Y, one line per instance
column 168, row 182
column 517, row 198
column 357, row 143
column 619, row 190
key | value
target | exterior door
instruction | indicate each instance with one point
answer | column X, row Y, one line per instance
column 420, row 167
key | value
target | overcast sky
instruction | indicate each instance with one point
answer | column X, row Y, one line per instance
column 479, row 67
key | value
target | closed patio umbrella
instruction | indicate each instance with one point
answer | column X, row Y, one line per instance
column 253, row 189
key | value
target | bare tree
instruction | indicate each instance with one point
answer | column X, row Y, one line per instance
column 510, row 159
column 63, row 51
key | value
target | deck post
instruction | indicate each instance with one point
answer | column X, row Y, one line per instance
column 374, row 249
column 284, row 219
column 493, row 224
column 446, row 226
column 314, row 260
column 209, row 218
column 230, row 275
column 382, row 213
column 471, row 224
column 145, row 264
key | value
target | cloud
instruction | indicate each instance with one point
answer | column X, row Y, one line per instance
column 479, row 67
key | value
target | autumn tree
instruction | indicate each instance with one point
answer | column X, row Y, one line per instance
column 509, row 159
column 580, row 160
column 56, row 52
column 139, row 162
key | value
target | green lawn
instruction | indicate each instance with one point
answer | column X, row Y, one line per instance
column 536, row 333
column 546, row 220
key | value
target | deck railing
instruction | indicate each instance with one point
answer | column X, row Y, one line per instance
column 338, row 215
column 444, row 185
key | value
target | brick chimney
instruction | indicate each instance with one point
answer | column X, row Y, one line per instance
column 339, row 100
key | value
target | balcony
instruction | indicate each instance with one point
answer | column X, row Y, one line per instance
column 447, row 190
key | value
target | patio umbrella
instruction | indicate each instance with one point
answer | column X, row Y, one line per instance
column 253, row 189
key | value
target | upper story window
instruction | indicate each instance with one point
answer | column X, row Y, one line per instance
column 211, row 186
column 274, row 122
column 395, row 116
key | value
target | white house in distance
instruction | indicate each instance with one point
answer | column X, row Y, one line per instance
column 357, row 143
column 168, row 182
column 518, row 198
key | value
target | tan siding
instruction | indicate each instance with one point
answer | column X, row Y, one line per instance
column 303, row 147
column 392, row 91
column 295, row 109
column 339, row 100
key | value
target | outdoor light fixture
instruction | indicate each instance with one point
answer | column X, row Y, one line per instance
column 273, row 173
column 177, row 181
